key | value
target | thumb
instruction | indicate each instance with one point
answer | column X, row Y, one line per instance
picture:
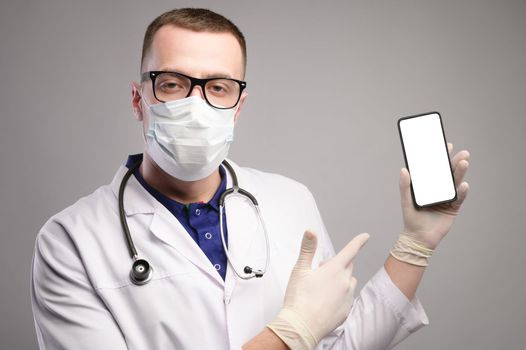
column 405, row 188
column 308, row 248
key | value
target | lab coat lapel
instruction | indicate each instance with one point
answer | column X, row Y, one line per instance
column 167, row 228
column 164, row 225
column 136, row 199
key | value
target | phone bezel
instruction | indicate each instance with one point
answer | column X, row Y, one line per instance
column 407, row 164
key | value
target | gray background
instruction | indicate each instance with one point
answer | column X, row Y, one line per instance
column 327, row 82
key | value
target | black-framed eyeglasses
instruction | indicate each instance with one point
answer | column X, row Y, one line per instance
column 221, row 93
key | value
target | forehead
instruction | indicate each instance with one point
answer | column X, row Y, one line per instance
column 199, row 54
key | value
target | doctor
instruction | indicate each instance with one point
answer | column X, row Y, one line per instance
column 193, row 293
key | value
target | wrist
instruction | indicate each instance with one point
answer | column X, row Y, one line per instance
column 411, row 250
column 266, row 340
column 292, row 330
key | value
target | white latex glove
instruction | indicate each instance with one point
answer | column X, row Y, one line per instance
column 317, row 300
column 424, row 228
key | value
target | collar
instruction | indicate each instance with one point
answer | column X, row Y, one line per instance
column 137, row 200
column 179, row 209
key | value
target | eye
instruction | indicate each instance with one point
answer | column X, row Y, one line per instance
column 217, row 88
column 220, row 87
column 173, row 84
column 169, row 85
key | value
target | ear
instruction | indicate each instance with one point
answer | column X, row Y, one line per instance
column 240, row 105
column 136, row 101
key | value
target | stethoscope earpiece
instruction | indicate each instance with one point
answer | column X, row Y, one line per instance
column 141, row 272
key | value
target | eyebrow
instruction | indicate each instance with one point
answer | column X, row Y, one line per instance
column 206, row 76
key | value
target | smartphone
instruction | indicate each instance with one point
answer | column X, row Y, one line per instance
column 427, row 159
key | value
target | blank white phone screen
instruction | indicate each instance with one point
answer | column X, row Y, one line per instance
column 427, row 159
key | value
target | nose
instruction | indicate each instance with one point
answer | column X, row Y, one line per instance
column 197, row 91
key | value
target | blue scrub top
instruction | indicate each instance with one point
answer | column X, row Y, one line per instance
column 201, row 220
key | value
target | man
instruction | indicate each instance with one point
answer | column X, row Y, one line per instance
column 192, row 293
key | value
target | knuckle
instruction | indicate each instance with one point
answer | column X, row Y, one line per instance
column 347, row 286
column 353, row 283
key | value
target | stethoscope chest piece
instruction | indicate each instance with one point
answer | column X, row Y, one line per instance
column 141, row 272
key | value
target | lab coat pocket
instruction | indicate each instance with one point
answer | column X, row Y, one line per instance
column 158, row 315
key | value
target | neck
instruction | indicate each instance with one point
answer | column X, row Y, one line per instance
column 185, row 192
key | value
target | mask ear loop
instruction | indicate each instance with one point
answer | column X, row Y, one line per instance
column 148, row 106
column 143, row 99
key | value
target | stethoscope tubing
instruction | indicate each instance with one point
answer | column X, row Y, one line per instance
column 122, row 214
column 142, row 270
column 249, row 272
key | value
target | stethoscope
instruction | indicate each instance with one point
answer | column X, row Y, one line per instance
column 141, row 272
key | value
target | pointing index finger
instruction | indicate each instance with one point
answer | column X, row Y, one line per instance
column 347, row 254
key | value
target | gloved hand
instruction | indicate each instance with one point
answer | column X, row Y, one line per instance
column 317, row 300
column 424, row 228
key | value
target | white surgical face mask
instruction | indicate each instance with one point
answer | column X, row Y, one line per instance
column 188, row 138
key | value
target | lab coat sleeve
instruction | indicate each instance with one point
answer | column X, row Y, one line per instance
column 68, row 314
column 381, row 316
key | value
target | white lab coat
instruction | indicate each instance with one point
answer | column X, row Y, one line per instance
column 82, row 297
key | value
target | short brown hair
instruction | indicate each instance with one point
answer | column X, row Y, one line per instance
column 196, row 19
